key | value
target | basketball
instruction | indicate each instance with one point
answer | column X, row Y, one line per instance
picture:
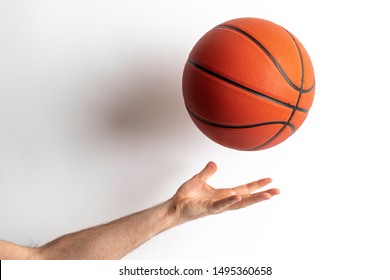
column 248, row 84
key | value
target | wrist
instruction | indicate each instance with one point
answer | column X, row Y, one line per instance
column 170, row 213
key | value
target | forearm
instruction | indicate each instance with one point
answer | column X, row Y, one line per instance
column 113, row 240
column 12, row 251
column 194, row 199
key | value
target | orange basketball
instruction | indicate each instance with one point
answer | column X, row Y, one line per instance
column 248, row 84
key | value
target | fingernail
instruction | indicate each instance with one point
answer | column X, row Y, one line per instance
column 267, row 195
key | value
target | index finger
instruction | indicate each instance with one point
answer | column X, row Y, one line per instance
column 251, row 187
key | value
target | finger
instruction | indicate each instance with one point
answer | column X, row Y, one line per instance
column 250, row 200
column 273, row 191
column 221, row 205
column 251, row 187
column 254, row 198
column 208, row 171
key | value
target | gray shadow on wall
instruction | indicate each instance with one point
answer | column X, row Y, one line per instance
column 147, row 109
column 140, row 117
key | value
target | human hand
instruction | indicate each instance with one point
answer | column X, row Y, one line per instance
column 195, row 198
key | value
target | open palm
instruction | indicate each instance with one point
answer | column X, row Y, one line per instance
column 195, row 198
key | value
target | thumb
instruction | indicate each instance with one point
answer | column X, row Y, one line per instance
column 208, row 171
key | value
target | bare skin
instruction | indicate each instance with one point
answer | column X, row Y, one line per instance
column 114, row 240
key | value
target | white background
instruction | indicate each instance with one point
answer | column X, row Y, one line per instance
column 93, row 127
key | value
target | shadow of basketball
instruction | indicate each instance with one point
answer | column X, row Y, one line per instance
column 138, row 123
column 145, row 109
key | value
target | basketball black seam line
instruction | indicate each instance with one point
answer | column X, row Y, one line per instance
column 220, row 77
column 298, row 99
column 268, row 53
column 205, row 121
